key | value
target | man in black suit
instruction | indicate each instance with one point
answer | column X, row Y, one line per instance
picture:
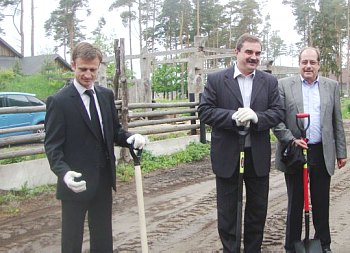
column 82, row 127
column 235, row 97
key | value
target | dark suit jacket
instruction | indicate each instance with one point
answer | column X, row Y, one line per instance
column 220, row 99
column 71, row 144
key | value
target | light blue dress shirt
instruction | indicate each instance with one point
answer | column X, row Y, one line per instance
column 312, row 105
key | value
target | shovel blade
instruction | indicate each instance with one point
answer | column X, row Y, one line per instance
column 308, row 246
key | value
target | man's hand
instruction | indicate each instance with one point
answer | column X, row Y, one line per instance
column 239, row 123
column 246, row 114
column 300, row 142
column 137, row 140
column 341, row 162
column 77, row 187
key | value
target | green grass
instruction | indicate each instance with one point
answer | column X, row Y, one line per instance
column 20, row 158
column 149, row 162
column 345, row 107
column 41, row 85
column 25, row 193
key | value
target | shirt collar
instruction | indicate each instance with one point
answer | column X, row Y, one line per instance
column 237, row 73
column 303, row 81
column 81, row 89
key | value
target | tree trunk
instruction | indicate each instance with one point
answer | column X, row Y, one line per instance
column 32, row 30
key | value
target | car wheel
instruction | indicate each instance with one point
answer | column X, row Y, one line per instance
column 39, row 131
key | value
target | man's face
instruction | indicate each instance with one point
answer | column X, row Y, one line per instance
column 248, row 57
column 309, row 65
column 85, row 71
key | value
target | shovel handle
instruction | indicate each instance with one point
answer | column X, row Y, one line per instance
column 302, row 115
column 136, row 155
column 141, row 209
column 304, row 127
column 242, row 133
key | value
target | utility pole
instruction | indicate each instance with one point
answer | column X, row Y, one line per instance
column 198, row 34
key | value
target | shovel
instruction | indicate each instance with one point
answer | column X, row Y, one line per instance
column 242, row 132
column 136, row 155
column 307, row 245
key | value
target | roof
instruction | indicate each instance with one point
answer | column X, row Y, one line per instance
column 33, row 64
column 11, row 49
column 29, row 64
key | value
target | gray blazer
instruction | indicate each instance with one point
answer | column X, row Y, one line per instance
column 333, row 137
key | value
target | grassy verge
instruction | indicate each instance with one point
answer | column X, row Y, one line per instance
column 149, row 162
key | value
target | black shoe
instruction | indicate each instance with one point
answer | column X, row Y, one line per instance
column 290, row 251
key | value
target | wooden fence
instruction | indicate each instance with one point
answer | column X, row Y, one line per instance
column 143, row 118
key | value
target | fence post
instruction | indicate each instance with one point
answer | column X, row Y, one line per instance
column 144, row 93
column 193, row 122
column 124, row 153
column 202, row 132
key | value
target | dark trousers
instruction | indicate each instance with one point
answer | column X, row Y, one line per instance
column 255, row 208
column 99, row 210
column 319, row 192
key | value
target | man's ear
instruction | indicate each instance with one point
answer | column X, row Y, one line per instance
column 73, row 65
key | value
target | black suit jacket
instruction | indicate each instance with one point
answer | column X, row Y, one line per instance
column 220, row 99
column 71, row 144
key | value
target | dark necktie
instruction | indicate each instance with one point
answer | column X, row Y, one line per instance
column 94, row 115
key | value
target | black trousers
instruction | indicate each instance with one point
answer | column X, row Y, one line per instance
column 255, row 208
column 319, row 194
column 99, row 210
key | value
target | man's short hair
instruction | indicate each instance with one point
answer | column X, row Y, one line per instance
column 246, row 37
column 311, row 48
column 86, row 51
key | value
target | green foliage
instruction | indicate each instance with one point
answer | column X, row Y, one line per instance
column 64, row 25
column 345, row 107
column 39, row 84
column 25, row 193
column 6, row 76
column 193, row 152
column 21, row 158
column 9, row 201
column 168, row 78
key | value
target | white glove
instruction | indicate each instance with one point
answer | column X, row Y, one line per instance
column 137, row 140
column 73, row 185
column 246, row 114
column 239, row 123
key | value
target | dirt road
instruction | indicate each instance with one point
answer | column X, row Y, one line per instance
column 180, row 206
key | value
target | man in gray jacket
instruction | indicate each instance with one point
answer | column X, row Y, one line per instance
column 320, row 98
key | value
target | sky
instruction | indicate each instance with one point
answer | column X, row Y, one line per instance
column 281, row 19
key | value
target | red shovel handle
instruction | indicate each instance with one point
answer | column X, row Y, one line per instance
column 305, row 184
column 302, row 115
column 302, row 127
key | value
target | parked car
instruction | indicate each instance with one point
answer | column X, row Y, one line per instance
column 9, row 99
